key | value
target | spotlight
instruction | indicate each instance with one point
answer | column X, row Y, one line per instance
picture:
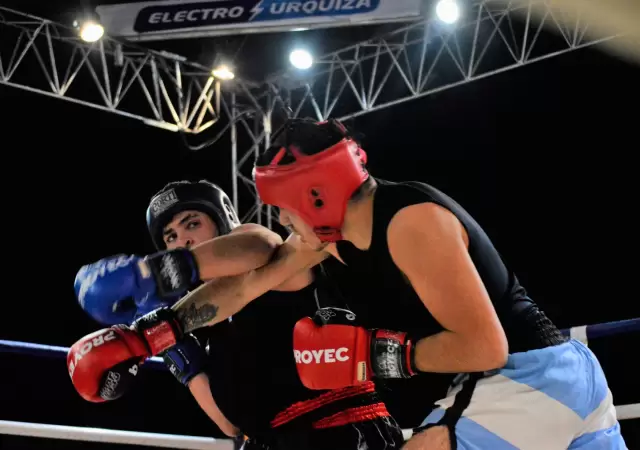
column 91, row 31
column 301, row 59
column 223, row 72
column 447, row 11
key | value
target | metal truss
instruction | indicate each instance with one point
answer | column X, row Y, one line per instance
column 157, row 88
column 248, row 118
column 409, row 63
column 167, row 91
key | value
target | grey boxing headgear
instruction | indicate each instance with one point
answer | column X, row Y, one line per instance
column 179, row 196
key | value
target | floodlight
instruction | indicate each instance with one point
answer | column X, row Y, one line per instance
column 223, row 72
column 91, row 31
column 447, row 11
column 301, row 59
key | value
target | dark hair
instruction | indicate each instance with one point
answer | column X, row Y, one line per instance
column 307, row 136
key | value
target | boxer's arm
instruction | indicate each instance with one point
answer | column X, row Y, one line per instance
column 430, row 246
column 298, row 281
column 219, row 299
column 248, row 247
column 199, row 388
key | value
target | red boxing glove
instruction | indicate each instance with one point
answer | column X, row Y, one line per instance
column 103, row 364
column 331, row 353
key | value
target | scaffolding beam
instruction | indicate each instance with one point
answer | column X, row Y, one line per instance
column 412, row 62
column 167, row 91
column 157, row 88
column 251, row 120
column 423, row 58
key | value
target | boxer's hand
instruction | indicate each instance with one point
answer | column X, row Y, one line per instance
column 186, row 359
column 103, row 364
column 331, row 352
column 110, row 289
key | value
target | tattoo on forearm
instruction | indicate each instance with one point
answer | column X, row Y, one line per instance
column 192, row 316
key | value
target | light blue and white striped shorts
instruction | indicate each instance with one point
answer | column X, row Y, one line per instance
column 556, row 398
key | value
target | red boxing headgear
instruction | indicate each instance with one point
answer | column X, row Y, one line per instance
column 312, row 170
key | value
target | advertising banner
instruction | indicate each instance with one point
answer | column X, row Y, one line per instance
column 171, row 19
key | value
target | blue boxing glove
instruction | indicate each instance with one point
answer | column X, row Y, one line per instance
column 186, row 359
column 112, row 289
column 106, row 308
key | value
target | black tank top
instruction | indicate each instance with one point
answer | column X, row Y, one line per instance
column 252, row 371
column 382, row 297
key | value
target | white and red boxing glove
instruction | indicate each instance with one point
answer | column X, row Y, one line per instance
column 102, row 365
column 331, row 352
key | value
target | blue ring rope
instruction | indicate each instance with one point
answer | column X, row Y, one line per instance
column 50, row 351
column 593, row 332
column 607, row 329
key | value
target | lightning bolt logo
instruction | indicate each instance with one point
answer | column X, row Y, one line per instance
column 256, row 10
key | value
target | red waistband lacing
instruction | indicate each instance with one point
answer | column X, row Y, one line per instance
column 300, row 408
column 353, row 415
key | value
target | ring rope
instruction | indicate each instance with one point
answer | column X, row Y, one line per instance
column 103, row 435
column 583, row 333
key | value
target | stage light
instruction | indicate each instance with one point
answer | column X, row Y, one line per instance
column 301, row 59
column 91, row 31
column 448, row 11
column 223, row 72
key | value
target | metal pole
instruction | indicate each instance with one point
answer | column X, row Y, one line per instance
column 234, row 153
column 266, row 123
column 256, row 151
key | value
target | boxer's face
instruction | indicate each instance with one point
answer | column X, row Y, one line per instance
column 292, row 221
column 189, row 228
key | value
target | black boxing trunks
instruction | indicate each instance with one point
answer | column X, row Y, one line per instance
column 350, row 418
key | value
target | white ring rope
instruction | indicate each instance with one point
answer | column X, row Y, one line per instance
column 40, row 430
column 626, row 412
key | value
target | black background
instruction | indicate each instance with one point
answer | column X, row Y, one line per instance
column 543, row 156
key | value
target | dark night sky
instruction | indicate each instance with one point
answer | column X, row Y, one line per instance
column 543, row 156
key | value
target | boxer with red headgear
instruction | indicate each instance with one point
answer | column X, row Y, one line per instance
column 322, row 181
column 434, row 299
